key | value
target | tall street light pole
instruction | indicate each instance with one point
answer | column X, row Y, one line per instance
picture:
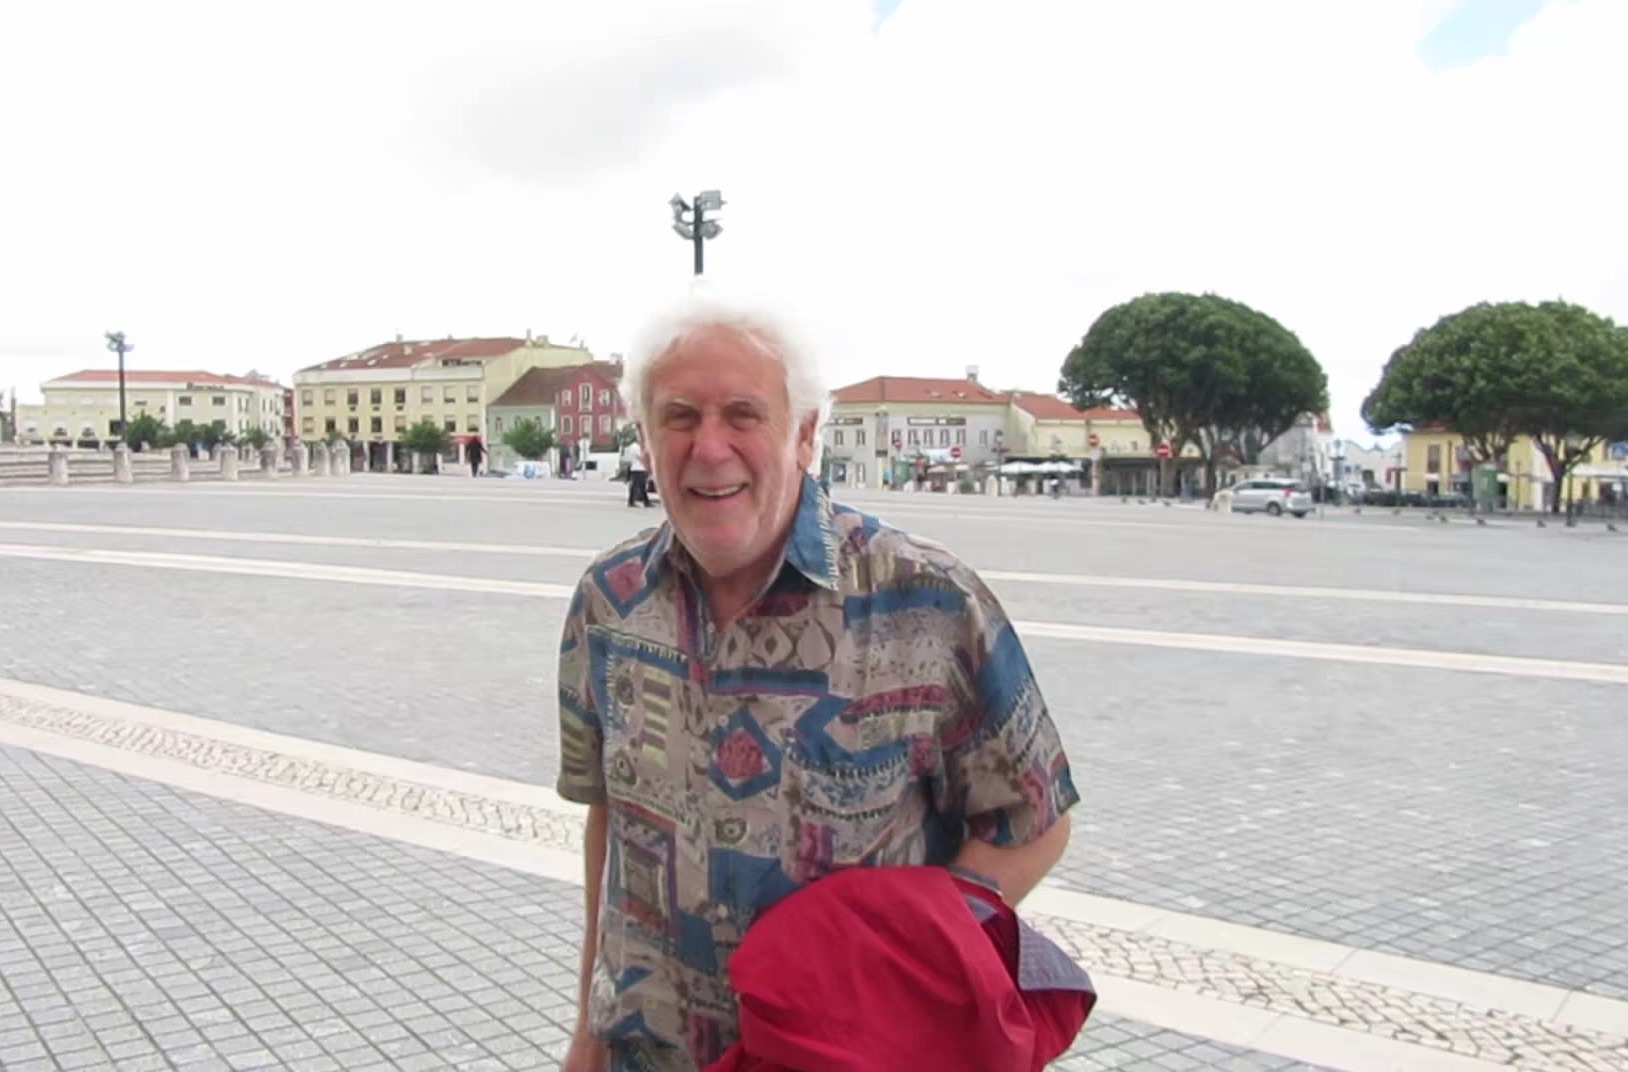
column 696, row 229
column 116, row 343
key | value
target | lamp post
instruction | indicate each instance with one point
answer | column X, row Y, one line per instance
column 116, row 343
column 697, row 228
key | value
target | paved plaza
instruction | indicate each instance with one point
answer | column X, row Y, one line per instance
column 274, row 764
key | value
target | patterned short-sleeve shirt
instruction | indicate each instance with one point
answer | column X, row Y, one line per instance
column 874, row 707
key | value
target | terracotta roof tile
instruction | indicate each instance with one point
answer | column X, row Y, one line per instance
column 917, row 389
column 1053, row 408
column 158, row 376
column 542, row 386
column 410, row 352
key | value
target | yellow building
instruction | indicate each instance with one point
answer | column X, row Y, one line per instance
column 375, row 395
column 1435, row 461
column 83, row 407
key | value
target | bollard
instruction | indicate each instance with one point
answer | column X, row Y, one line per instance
column 321, row 462
column 180, row 463
column 58, row 466
column 122, row 473
column 418, row 463
column 228, row 463
column 268, row 461
column 298, row 458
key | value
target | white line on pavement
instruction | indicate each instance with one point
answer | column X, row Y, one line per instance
column 1208, row 1017
column 1420, row 658
column 1374, row 595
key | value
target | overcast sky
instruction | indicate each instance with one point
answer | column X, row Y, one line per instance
column 929, row 183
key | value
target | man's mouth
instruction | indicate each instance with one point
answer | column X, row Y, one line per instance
column 727, row 491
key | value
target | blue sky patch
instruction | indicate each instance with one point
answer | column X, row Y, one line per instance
column 1475, row 30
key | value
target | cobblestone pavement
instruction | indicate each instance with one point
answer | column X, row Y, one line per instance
column 1466, row 819
column 1391, row 1012
column 143, row 928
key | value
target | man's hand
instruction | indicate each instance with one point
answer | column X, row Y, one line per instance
column 1018, row 870
column 587, row 1054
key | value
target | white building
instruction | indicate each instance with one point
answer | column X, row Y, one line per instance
column 83, row 407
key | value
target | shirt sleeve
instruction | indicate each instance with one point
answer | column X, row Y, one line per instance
column 582, row 741
column 1008, row 776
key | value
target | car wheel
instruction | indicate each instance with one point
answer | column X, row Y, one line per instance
column 1299, row 513
column 1274, row 509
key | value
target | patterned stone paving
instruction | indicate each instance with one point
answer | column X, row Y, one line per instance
column 1490, row 1035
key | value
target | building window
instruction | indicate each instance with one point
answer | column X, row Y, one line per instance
column 329, row 426
column 587, row 400
column 565, row 424
column 961, row 436
column 375, row 397
column 450, row 424
column 376, row 425
column 565, row 397
column 1433, row 458
column 401, row 423
column 859, row 437
column 604, row 397
column 943, row 437
column 328, row 397
column 604, row 424
column 472, row 393
column 912, row 439
column 308, row 426
column 353, row 426
column 184, row 400
column 401, row 397
column 836, row 438
column 308, row 398
column 497, row 424
column 983, row 437
column 219, row 400
column 472, row 423
column 351, row 398
column 449, row 395
column 426, row 395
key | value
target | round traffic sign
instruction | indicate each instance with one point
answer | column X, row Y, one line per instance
column 1094, row 440
column 955, row 452
column 1163, row 450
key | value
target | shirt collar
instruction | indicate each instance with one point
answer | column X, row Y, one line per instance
column 811, row 549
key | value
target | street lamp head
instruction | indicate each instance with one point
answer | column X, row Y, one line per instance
column 679, row 206
column 709, row 200
column 684, row 230
column 711, row 229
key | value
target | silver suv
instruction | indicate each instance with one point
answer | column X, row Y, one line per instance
column 1271, row 495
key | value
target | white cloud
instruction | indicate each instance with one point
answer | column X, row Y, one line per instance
column 271, row 185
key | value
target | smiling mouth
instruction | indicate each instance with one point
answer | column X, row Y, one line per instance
column 719, row 494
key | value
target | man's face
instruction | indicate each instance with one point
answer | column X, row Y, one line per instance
column 727, row 455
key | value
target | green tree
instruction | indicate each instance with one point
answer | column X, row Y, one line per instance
column 529, row 439
column 1492, row 372
column 145, row 429
column 254, row 437
column 426, row 438
column 1201, row 370
column 626, row 434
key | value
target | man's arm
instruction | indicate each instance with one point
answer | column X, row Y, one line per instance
column 593, row 878
column 1020, row 868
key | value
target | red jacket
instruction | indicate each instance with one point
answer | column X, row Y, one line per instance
column 901, row 967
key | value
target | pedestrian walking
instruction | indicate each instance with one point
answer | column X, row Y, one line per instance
column 638, row 475
column 475, row 452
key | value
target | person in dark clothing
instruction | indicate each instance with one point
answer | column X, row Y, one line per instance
column 476, row 452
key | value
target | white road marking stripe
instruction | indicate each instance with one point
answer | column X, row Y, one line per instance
column 1464, row 662
column 1373, row 595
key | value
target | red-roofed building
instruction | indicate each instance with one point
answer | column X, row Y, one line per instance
column 83, row 407
column 578, row 402
column 372, row 397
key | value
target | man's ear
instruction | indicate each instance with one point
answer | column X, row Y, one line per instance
column 807, row 431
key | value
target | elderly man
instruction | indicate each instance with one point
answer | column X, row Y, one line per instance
column 769, row 688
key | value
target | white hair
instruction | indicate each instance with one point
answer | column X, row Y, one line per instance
column 704, row 308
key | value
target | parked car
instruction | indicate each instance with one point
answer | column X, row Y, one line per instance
column 1271, row 495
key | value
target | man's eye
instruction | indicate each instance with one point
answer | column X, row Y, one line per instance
column 681, row 419
column 743, row 418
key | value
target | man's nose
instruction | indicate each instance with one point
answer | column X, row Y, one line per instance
column 712, row 440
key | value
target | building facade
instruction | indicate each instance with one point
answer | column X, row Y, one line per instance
column 370, row 398
column 580, row 403
column 1436, row 462
column 82, row 408
column 886, row 430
